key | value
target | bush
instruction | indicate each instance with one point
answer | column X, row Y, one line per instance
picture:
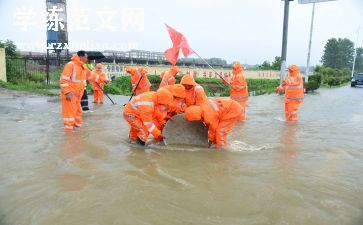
column 212, row 86
column 313, row 83
column 333, row 77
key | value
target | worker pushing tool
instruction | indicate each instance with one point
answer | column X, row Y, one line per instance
column 98, row 83
column 168, row 77
column 139, row 81
column 293, row 86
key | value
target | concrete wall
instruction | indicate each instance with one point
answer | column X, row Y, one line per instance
column 2, row 65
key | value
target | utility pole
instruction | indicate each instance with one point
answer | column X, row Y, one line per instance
column 355, row 51
column 284, row 40
column 307, row 71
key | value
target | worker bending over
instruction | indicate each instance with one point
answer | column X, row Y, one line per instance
column 195, row 94
column 139, row 81
column 72, row 87
column 98, row 83
column 219, row 114
column 293, row 86
column 141, row 111
column 168, row 78
column 178, row 105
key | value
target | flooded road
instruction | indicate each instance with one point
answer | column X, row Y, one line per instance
column 308, row 174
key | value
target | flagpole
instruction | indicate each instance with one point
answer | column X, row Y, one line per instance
column 209, row 66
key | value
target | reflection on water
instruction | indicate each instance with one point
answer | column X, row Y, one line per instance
column 272, row 173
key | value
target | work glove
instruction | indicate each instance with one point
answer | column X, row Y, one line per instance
column 278, row 89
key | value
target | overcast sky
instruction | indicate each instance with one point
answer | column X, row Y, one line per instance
column 249, row 31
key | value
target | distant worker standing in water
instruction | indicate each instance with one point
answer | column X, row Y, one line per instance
column 293, row 86
column 239, row 88
column 72, row 87
column 98, row 83
column 168, row 78
column 139, row 81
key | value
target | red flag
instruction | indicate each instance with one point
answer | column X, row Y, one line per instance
column 172, row 55
column 179, row 41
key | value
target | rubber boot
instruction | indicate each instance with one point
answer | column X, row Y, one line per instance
column 140, row 142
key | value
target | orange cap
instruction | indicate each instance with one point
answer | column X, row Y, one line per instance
column 164, row 97
column 293, row 68
column 188, row 79
column 175, row 70
column 237, row 68
column 99, row 66
column 129, row 69
column 143, row 71
column 193, row 112
column 178, row 91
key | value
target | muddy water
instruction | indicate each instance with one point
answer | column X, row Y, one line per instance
column 271, row 174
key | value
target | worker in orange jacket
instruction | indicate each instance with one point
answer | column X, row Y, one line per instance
column 179, row 95
column 72, row 87
column 195, row 94
column 178, row 105
column 219, row 114
column 168, row 78
column 98, row 83
column 293, row 86
column 141, row 111
column 139, row 81
column 239, row 88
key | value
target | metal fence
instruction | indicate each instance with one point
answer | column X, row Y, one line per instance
column 23, row 70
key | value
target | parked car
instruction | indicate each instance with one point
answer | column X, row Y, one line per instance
column 357, row 79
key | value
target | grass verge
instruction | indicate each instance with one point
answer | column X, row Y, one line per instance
column 30, row 87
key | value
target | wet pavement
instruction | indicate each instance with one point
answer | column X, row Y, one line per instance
column 272, row 173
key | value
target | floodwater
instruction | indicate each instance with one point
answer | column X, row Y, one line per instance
column 272, row 173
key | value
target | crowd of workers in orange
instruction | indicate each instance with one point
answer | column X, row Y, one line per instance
column 148, row 111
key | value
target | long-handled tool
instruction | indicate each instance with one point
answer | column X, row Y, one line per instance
column 105, row 93
column 137, row 85
column 226, row 82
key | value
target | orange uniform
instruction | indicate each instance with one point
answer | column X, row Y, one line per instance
column 98, row 82
column 179, row 94
column 195, row 95
column 71, row 84
column 239, row 88
column 136, row 75
column 178, row 105
column 219, row 115
column 293, row 86
column 168, row 78
column 141, row 111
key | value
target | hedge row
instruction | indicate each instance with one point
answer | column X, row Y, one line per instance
column 212, row 86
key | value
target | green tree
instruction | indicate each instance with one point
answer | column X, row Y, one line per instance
column 338, row 53
column 359, row 61
column 10, row 48
column 265, row 65
column 276, row 64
